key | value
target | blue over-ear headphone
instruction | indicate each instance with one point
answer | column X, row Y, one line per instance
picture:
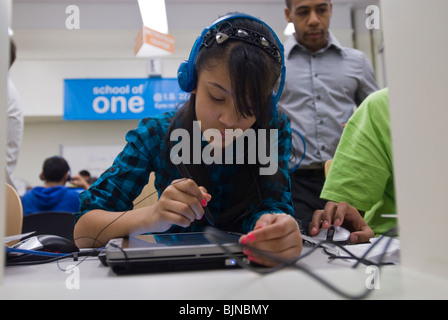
column 185, row 73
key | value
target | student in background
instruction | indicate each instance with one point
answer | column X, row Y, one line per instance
column 234, row 71
column 360, row 182
column 85, row 174
column 324, row 82
column 84, row 178
column 53, row 195
column 14, row 122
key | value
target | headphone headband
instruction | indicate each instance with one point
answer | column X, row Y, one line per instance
column 185, row 74
column 221, row 35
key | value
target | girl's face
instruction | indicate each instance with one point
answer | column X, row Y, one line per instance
column 215, row 107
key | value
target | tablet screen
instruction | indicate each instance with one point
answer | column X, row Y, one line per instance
column 174, row 240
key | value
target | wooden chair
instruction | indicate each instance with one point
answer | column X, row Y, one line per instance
column 14, row 212
column 327, row 167
column 148, row 196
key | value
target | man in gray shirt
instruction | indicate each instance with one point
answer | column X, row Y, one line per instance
column 324, row 84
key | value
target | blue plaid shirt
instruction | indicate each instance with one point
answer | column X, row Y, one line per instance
column 118, row 186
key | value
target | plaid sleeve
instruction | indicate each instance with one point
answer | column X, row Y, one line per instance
column 118, row 186
column 276, row 189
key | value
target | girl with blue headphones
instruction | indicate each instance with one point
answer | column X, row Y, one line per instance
column 235, row 74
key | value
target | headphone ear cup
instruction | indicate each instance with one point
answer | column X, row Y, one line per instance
column 184, row 78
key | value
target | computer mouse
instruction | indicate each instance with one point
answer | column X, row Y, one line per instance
column 47, row 243
column 333, row 234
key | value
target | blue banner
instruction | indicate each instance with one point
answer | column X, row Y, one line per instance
column 120, row 99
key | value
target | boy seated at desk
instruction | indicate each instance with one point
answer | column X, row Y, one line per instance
column 361, row 178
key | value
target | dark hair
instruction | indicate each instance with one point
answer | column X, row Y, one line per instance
column 54, row 169
column 289, row 3
column 253, row 76
column 253, row 73
column 84, row 173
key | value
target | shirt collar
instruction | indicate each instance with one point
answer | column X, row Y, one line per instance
column 291, row 43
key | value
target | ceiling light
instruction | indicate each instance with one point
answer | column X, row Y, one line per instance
column 153, row 39
column 154, row 15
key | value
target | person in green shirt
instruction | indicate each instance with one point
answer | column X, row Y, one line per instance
column 360, row 179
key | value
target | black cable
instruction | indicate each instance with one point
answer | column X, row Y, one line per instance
column 219, row 238
column 95, row 240
column 386, row 234
column 19, row 260
column 121, row 215
column 86, row 254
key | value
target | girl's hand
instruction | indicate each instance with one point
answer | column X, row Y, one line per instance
column 278, row 234
column 181, row 203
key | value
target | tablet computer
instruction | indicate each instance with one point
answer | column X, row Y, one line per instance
column 171, row 252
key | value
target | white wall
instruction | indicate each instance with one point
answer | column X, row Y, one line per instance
column 46, row 58
column 103, row 47
column 418, row 77
column 370, row 41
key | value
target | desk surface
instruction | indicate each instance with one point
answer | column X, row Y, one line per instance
column 50, row 281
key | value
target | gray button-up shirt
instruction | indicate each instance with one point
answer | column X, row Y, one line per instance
column 321, row 92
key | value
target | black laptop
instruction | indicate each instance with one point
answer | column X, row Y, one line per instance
column 152, row 253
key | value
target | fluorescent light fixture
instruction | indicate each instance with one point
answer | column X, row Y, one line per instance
column 154, row 15
column 10, row 32
column 153, row 39
column 289, row 30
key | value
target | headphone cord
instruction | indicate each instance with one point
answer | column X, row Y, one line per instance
column 293, row 169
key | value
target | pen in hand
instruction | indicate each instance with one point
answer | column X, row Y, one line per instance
column 184, row 172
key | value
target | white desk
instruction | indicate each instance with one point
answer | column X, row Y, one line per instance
column 47, row 281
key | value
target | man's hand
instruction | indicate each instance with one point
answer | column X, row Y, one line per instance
column 342, row 214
